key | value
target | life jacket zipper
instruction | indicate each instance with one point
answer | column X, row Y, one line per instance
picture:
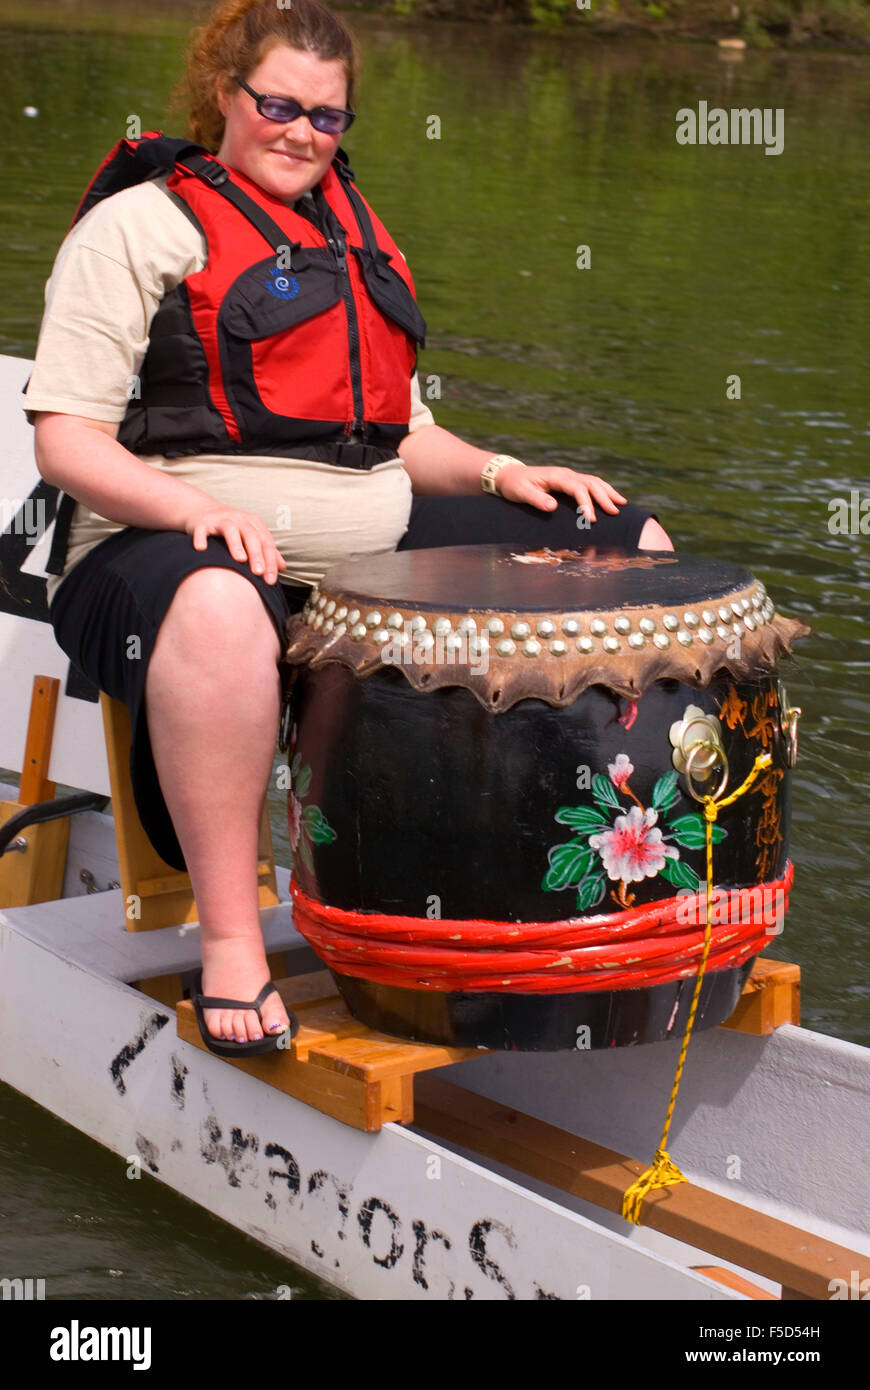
column 356, row 432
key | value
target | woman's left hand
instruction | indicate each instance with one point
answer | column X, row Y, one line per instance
column 534, row 485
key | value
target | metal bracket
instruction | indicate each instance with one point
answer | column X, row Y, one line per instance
column 41, row 811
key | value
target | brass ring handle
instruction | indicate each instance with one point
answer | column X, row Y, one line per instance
column 789, row 722
column 718, row 756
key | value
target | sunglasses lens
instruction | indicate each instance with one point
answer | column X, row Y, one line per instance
column 329, row 120
column 279, row 109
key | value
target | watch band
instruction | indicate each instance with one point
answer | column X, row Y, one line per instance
column 493, row 468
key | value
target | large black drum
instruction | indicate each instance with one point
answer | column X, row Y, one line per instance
column 493, row 757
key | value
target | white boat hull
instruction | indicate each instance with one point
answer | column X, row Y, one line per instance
column 390, row 1215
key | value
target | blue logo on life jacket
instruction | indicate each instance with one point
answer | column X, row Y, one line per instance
column 282, row 285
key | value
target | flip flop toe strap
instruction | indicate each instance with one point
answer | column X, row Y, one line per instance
column 209, row 1001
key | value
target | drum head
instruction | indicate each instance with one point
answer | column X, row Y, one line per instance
column 511, row 625
column 499, row 578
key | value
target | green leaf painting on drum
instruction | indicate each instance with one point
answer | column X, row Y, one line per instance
column 637, row 842
column 569, row 865
column 307, row 825
column 665, row 792
column 690, row 833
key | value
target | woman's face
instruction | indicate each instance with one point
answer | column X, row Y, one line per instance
column 285, row 160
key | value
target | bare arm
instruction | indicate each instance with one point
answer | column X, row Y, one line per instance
column 440, row 463
column 83, row 458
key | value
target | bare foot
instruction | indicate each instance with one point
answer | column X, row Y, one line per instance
column 235, row 967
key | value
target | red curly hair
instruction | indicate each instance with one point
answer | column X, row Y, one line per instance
column 236, row 36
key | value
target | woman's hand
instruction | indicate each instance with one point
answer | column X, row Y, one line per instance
column 534, row 485
column 247, row 537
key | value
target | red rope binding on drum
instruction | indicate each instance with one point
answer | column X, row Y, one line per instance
column 634, row 949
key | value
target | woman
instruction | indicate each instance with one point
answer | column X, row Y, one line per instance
column 189, row 509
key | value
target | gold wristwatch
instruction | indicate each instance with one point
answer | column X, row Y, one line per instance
column 492, row 470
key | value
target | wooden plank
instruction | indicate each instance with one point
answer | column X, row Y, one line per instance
column 770, row 997
column 168, row 897
column 137, row 857
column 164, row 988
column 175, row 881
column 375, row 1056
column 321, row 1025
column 345, row 1098
column 36, row 874
column 34, row 785
column 801, row 1262
column 734, row 1281
column 390, row 1101
column 331, row 1044
column 305, row 989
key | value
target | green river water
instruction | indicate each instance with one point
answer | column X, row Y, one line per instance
column 705, row 262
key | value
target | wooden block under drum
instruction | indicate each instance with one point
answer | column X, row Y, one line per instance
column 770, row 997
column 363, row 1105
column 375, row 1056
column 336, row 1064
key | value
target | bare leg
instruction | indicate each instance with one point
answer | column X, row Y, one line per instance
column 654, row 537
column 212, row 697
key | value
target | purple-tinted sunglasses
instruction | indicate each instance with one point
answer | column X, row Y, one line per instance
column 330, row 120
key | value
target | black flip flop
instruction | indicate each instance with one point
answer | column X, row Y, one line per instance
column 270, row 1042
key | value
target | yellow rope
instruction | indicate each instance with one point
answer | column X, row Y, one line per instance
column 664, row 1172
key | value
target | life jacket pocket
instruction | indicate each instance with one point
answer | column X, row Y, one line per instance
column 390, row 293
column 267, row 299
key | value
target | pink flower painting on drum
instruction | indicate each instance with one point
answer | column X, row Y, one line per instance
column 615, row 843
column 634, row 849
column 620, row 771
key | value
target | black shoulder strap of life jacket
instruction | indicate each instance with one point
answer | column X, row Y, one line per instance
column 213, row 172
column 131, row 162
column 380, row 258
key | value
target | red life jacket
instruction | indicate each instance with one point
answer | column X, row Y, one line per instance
column 298, row 337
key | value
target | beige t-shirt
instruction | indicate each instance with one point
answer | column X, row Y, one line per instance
column 109, row 277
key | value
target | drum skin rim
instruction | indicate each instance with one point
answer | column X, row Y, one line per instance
column 502, row 672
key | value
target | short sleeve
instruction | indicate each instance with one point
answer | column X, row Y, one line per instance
column 108, row 278
column 420, row 413
column 93, row 338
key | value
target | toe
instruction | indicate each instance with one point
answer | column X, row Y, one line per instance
column 275, row 1018
column 214, row 1022
column 239, row 1026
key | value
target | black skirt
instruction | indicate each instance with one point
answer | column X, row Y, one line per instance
column 124, row 586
